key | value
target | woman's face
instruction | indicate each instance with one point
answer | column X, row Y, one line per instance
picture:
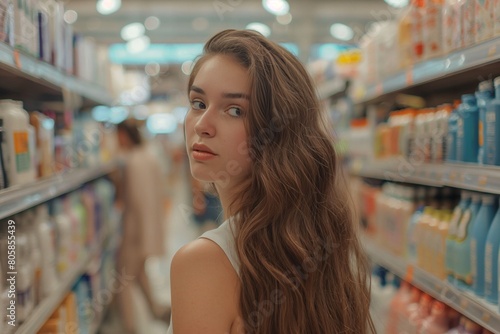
column 216, row 138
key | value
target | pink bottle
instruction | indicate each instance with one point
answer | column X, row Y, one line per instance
column 437, row 322
column 412, row 306
column 418, row 316
column 398, row 304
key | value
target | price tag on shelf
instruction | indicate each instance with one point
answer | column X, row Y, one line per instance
column 482, row 180
column 409, row 76
column 17, row 59
column 492, row 51
column 486, row 317
column 410, row 271
column 464, row 303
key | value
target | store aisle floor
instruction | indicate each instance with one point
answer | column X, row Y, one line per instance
column 180, row 230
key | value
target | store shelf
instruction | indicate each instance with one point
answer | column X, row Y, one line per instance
column 23, row 73
column 477, row 310
column 22, row 197
column 463, row 176
column 331, row 88
column 469, row 65
column 44, row 310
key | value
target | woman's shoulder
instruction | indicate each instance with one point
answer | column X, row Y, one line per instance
column 201, row 255
column 204, row 287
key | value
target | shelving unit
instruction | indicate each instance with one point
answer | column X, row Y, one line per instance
column 463, row 176
column 477, row 310
column 22, row 197
column 23, row 75
column 465, row 66
column 44, row 310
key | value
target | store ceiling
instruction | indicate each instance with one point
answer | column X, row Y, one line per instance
column 195, row 21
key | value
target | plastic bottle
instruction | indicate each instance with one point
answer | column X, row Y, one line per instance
column 80, row 237
column 491, row 260
column 418, row 316
column 433, row 28
column 421, row 232
column 484, row 95
column 467, row 14
column 463, row 270
column 496, row 18
column 46, row 239
column 472, row 328
column 442, row 232
column 460, row 328
column 468, row 130
column 412, row 305
column 437, row 322
column 480, row 231
column 483, row 20
column 36, row 256
column 452, row 234
column 493, row 128
column 18, row 158
column 44, row 128
column 441, row 131
column 451, row 138
column 398, row 303
column 25, row 300
column 411, row 237
column 431, row 242
column 63, row 223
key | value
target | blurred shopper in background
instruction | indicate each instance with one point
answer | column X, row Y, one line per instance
column 141, row 195
column 207, row 210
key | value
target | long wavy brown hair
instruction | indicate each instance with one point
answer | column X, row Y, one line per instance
column 302, row 267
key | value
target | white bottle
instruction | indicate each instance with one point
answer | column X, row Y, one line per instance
column 483, row 22
column 16, row 144
column 496, row 18
column 63, row 224
column 25, row 277
column 46, row 239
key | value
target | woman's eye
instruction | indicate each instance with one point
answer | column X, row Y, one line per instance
column 236, row 112
column 197, row 105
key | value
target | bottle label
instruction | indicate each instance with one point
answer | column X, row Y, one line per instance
column 21, row 151
column 481, row 133
column 464, row 224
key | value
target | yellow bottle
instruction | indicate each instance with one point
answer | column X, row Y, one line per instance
column 421, row 232
column 443, row 228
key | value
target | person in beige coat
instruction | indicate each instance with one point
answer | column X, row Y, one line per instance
column 141, row 195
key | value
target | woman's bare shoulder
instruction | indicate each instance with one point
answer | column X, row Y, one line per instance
column 205, row 289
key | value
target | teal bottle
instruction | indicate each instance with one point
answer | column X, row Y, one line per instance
column 450, row 256
column 480, row 231
column 492, row 125
column 451, row 137
column 468, row 130
column 491, row 260
column 463, row 268
column 484, row 95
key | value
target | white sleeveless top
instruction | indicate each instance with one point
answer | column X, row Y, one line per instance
column 224, row 236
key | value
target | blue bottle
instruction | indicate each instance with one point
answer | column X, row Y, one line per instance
column 450, row 255
column 468, row 130
column 451, row 137
column 484, row 95
column 480, row 231
column 492, row 125
column 491, row 261
column 463, row 268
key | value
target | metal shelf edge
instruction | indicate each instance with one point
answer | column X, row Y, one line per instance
column 23, row 197
column 451, row 64
column 464, row 302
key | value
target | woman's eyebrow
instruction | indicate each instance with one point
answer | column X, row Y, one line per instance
column 236, row 96
column 197, row 89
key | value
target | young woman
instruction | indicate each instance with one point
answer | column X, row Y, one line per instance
column 287, row 259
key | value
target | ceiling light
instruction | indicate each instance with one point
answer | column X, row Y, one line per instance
column 161, row 123
column 284, row 19
column 152, row 23
column 342, row 32
column 259, row 27
column 276, row 7
column 187, row 67
column 138, row 44
column 70, row 16
column 132, row 31
column 152, row 69
column 106, row 7
column 398, row 3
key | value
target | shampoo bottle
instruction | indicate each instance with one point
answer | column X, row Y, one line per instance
column 484, row 95
column 492, row 125
column 491, row 260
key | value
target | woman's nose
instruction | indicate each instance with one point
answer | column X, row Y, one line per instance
column 205, row 126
